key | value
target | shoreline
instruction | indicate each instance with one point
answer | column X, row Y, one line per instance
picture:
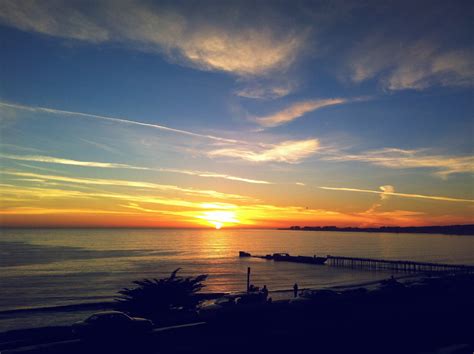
column 205, row 296
column 380, row 308
column 78, row 308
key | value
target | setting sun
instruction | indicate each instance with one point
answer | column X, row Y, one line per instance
column 219, row 218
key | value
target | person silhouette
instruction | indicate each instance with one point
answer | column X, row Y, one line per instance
column 265, row 292
column 295, row 290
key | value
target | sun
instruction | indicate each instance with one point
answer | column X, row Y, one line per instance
column 219, row 218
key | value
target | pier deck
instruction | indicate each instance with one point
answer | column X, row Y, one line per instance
column 370, row 263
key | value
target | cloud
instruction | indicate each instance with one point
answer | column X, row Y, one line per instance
column 40, row 168
column 184, row 210
column 101, row 146
column 214, row 175
column 21, row 148
column 404, row 195
column 116, row 120
column 229, row 40
column 411, row 64
column 399, row 158
column 128, row 184
column 387, row 190
column 42, row 210
column 62, row 161
column 51, row 18
column 40, row 194
column 295, row 149
column 244, row 52
column 56, row 160
column 399, row 218
column 265, row 91
column 43, row 193
column 297, row 110
column 291, row 151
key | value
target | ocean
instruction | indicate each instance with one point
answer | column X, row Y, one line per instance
column 41, row 268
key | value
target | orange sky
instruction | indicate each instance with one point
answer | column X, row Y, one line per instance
column 235, row 114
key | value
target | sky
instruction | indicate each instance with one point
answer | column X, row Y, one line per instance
column 236, row 113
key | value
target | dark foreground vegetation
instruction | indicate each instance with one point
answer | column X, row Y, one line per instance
column 434, row 315
column 162, row 300
column 447, row 230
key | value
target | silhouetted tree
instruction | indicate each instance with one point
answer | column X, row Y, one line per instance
column 153, row 298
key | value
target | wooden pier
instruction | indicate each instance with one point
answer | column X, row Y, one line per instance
column 397, row 265
column 368, row 263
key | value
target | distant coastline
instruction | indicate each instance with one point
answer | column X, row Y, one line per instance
column 467, row 230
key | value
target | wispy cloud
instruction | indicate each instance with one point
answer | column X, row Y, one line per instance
column 249, row 51
column 37, row 16
column 295, row 149
column 128, row 184
column 411, row 64
column 116, row 120
column 19, row 148
column 28, row 166
column 62, row 161
column 189, row 211
column 101, row 146
column 57, row 160
column 42, row 193
column 265, row 91
column 296, row 111
column 247, row 214
column 384, row 196
column 400, row 158
column 405, row 195
column 213, row 175
column 386, row 190
column 45, row 210
column 291, row 151
column 201, row 39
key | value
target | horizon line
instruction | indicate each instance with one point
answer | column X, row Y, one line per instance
column 224, row 228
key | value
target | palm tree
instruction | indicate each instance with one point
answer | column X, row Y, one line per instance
column 155, row 298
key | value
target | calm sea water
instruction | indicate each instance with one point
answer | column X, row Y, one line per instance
column 41, row 268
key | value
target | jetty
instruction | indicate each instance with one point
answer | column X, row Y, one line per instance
column 368, row 263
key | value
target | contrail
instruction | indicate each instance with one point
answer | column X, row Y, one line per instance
column 118, row 120
column 405, row 195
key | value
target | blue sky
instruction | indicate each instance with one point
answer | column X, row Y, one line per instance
column 267, row 100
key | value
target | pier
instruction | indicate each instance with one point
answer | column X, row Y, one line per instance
column 368, row 263
column 396, row 265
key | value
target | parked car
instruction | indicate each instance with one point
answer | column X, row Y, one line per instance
column 111, row 323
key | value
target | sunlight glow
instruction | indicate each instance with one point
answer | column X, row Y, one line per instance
column 219, row 218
